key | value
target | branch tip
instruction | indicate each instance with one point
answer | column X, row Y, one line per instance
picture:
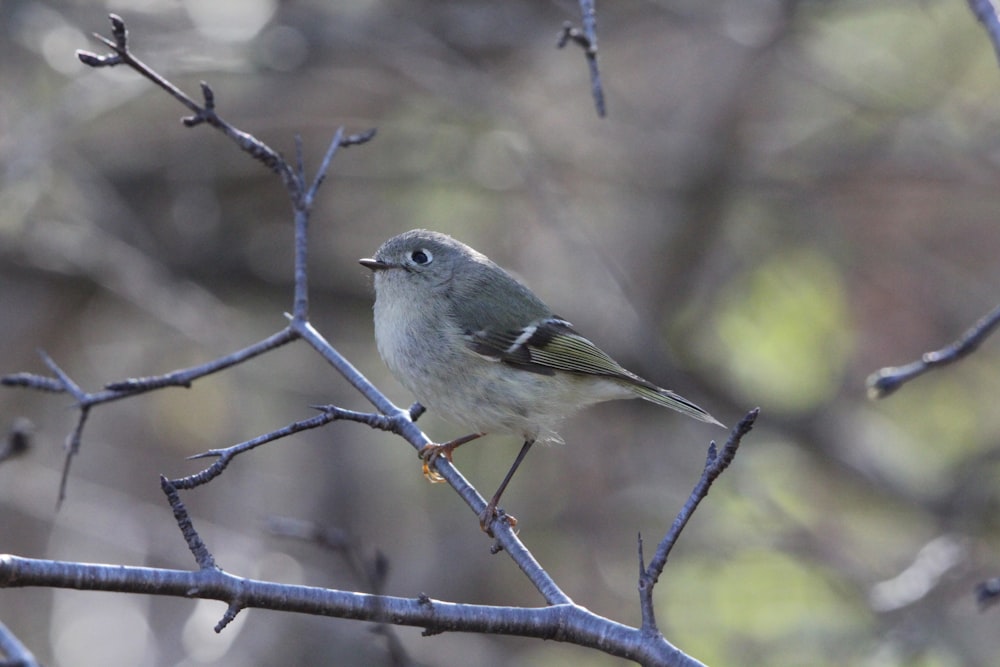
column 94, row 60
column 208, row 95
column 988, row 593
column 118, row 30
column 359, row 138
column 234, row 608
column 204, row 455
column 885, row 381
column 586, row 39
column 570, row 32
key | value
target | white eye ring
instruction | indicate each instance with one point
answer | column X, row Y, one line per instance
column 421, row 257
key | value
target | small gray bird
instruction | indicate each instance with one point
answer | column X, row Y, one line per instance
column 479, row 348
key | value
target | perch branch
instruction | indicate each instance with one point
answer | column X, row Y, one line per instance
column 563, row 623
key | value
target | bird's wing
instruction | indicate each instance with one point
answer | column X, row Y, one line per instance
column 546, row 346
column 552, row 345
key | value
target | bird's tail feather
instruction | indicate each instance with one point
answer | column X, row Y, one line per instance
column 669, row 399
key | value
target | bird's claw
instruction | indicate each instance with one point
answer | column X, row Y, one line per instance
column 429, row 455
column 492, row 512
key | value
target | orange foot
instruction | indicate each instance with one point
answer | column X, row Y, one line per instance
column 431, row 452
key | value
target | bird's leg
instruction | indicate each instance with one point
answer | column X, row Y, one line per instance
column 490, row 513
column 429, row 454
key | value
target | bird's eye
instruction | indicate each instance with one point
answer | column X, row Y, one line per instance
column 421, row 256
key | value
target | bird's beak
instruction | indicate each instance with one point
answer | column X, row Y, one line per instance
column 374, row 264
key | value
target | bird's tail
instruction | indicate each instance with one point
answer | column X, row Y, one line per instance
column 669, row 399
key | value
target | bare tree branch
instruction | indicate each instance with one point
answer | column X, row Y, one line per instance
column 225, row 455
column 13, row 652
column 715, row 464
column 586, row 39
column 63, row 383
column 118, row 43
column 563, row 623
column 887, row 380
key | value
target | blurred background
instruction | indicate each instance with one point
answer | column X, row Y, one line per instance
column 785, row 197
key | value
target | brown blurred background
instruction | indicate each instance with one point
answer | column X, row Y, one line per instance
column 785, row 197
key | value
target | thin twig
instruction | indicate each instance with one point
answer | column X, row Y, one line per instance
column 225, row 456
column 587, row 40
column 715, row 464
column 199, row 550
column 13, row 652
column 202, row 114
column 186, row 376
column 33, row 381
column 646, row 607
column 986, row 12
column 416, row 411
column 887, row 380
column 72, row 446
column 71, row 387
column 114, row 391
